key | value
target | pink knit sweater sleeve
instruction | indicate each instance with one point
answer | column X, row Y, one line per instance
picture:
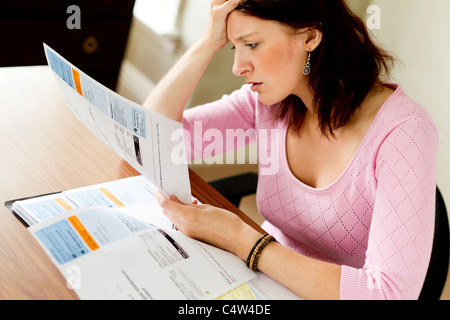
column 401, row 232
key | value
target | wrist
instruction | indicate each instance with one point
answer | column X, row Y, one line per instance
column 255, row 253
column 245, row 241
column 205, row 43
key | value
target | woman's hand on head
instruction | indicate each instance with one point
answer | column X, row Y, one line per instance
column 218, row 227
column 216, row 30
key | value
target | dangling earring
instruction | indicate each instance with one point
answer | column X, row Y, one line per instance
column 307, row 68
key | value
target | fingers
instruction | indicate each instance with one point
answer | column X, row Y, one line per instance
column 220, row 9
column 202, row 222
column 175, row 210
column 216, row 31
column 176, row 199
column 224, row 7
column 169, row 204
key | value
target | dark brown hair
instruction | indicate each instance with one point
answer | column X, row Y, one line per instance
column 344, row 67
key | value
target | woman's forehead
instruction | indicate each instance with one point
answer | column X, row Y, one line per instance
column 241, row 26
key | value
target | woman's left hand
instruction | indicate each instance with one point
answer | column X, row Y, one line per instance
column 218, row 227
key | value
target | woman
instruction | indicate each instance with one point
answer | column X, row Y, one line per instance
column 351, row 202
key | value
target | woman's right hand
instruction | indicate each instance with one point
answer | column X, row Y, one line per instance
column 216, row 30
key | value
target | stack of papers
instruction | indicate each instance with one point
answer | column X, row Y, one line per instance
column 112, row 241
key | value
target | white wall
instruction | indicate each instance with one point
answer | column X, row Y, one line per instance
column 418, row 32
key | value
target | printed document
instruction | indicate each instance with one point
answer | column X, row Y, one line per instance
column 105, row 253
column 94, row 231
column 141, row 137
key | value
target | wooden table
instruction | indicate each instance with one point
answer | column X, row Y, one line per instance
column 45, row 148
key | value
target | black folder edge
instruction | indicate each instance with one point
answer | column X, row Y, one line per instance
column 8, row 205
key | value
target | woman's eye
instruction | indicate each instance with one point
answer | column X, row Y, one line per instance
column 251, row 45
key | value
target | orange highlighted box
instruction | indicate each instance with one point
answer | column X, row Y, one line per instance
column 63, row 204
column 76, row 223
column 111, row 197
column 76, row 78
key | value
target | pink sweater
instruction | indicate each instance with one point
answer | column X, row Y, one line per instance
column 376, row 220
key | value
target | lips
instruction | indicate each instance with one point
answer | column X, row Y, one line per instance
column 255, row 85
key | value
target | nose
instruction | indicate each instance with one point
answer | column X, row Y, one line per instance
column 241, row 65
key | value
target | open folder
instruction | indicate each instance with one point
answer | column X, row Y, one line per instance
column 112, row 241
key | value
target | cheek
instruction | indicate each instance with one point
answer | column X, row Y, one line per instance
column 281, row 62
column 271, row 61
column 282, row 70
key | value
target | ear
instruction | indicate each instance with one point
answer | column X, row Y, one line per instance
column 313, row 39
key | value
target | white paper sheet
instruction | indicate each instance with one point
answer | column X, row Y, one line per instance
column 105, row 253
column 141, row 137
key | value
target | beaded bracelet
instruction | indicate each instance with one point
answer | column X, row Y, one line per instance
column 255, row 253
column 253, row 249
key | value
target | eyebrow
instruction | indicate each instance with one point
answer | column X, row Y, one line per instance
column 244, row 36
